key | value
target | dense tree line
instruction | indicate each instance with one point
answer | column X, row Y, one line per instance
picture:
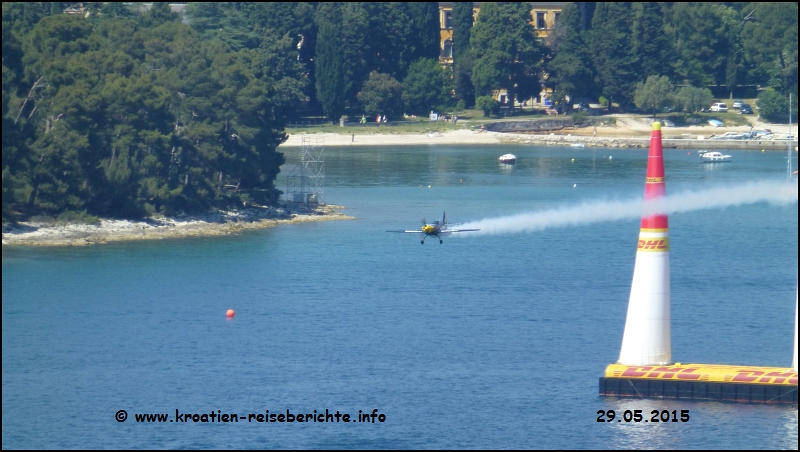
column 124, row 116
column 693, row 44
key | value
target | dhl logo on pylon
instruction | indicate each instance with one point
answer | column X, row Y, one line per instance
column 653, row 244
column 706, row 372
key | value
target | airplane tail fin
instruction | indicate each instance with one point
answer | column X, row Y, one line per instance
column 443, row 218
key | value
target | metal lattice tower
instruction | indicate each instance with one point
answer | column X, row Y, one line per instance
column 306, row 183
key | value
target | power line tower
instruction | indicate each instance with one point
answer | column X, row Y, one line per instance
column 306, row 182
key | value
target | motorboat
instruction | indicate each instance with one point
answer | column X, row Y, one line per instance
column 508, row 158
column 715, row 122
column 578, row 145
column 715, row 157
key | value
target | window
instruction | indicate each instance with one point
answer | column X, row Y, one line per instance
column 447, row 21
column 447, row 50
column 540, row 22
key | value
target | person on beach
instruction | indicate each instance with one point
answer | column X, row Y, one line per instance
column 595, row 131
column 378, row 118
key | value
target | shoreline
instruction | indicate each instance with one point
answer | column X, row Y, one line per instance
column 628, row 132
column 205, row 225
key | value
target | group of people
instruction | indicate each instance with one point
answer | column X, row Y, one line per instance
column 378, row 118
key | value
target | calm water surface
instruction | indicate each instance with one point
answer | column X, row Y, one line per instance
column 494, row 341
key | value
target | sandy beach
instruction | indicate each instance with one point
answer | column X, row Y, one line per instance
column 628, row 131
column 211, row 224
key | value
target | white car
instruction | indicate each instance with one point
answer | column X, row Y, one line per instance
column 719, row 107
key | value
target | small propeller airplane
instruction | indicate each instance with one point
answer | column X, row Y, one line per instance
column 435, row 228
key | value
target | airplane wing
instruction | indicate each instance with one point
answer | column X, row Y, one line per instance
column 416, row 232
column 447, row 231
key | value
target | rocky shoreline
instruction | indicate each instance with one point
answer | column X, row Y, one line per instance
column 639, row 142
column 206, row 225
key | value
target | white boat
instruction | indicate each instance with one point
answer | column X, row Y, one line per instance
column 578, row 145
column 508, row 158
column 715, row 157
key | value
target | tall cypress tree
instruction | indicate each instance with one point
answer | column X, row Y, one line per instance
column 425, row 33
column 330, row 68
column 611, row 50
column 462, row 58
column 571, row 70
column 650, row 45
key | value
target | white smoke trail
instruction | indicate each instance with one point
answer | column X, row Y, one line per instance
column 779, row 193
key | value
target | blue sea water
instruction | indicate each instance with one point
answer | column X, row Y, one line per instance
column 494, row 341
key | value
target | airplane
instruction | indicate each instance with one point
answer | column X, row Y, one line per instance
column 436, row 228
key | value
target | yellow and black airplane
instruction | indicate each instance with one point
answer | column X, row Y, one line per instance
column 434, row 229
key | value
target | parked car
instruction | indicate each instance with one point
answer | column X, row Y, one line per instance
column 745, row 110
column 737, row 104
column 719, row 107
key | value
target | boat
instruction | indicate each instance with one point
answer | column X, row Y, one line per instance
column 508, row 158
column 578, row 145
column 715, row 122
column 715, row 157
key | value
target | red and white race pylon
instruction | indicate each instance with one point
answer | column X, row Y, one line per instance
column 646, row 340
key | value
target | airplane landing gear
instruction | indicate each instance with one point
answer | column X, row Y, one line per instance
column 440, row 241
column 422, row 242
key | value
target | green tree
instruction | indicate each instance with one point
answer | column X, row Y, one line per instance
column 425, row 31
column 570, row 69
column 701, row 36
column 774, row 107
column 383, row 95
column 225, row 21
column 487, row 104
column 610, row 46
column 507, row 53
column 693, row 99
column 330, row 64
column 427, row 86
column 651, row 47
column 654, row 94
column 159, row 13
column 462, row 55
column 770, row 45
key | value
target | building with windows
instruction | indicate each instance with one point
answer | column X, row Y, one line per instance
column 544, row 16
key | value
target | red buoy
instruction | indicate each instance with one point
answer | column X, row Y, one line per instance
column 230, row 313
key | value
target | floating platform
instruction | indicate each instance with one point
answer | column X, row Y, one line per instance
column 751, row 384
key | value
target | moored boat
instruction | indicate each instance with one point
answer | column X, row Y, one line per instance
column 715, row 157
column 508, row 158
